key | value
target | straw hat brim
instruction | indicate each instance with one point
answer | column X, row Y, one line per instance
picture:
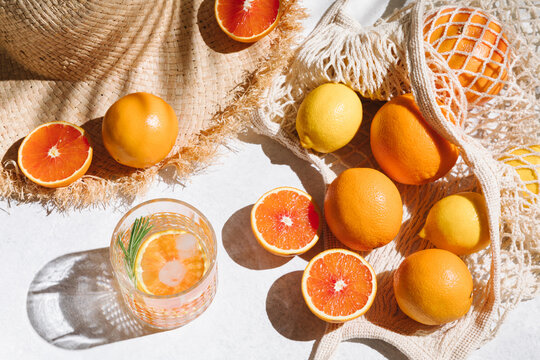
column 78, row 61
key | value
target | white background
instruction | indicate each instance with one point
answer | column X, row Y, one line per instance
column 56, row 286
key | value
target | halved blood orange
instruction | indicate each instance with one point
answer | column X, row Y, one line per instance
column 286, row 221
column 247, row 20
column 55, row 154
column 339, row 285
column 169, row 262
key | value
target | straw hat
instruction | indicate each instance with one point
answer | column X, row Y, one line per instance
column 70, row 60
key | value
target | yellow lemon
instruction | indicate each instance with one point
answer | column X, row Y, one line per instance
column 458, row 223
column 433, row 287
column 329, row 117
column 528, row 166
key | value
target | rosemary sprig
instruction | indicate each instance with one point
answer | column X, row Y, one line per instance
column 141, row 227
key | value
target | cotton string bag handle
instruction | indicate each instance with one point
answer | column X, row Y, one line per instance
column 388, row 59
column 479, row 160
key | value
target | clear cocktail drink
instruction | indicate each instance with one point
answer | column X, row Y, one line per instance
column 167, row 275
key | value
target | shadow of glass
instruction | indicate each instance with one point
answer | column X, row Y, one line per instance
column 287, row 311
column 212, row 34
column 243, row 248
column 74, row 303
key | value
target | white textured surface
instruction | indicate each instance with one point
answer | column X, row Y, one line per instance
column 258, row 312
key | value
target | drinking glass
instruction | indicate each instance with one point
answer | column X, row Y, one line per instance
column 166, row 311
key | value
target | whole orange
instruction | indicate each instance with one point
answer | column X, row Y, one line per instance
column 474, row 46
column 406, row 147
column 139, row 130
column 363, row 208
column 433, row 287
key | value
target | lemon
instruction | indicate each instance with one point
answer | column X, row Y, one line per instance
column 527, row 166
column 329, row 117
column 458, row 223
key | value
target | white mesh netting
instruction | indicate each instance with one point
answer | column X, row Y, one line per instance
column 399, row 55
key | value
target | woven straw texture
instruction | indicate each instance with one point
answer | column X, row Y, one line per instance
column 71, row 60
column 390, row 58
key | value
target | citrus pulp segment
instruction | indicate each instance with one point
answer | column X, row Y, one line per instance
column 55, row 154
column 247, row 20
column 169, row 262
column 286, row 221
column 339, row 285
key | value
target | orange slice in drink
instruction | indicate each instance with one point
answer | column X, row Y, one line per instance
column 286, row 221
column 247, row 20
column 339, row 285
column 55, row 154
column 169, row 262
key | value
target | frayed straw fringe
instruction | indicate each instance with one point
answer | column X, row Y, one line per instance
column 95, row 191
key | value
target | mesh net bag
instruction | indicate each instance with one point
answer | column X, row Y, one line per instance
column 71, row 60
column 488, row 106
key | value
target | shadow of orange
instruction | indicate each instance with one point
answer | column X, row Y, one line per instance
column 288, row 312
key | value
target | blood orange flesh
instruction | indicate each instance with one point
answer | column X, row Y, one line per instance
column 55, row 154
column 247, row 20
column 339, row 285
column 286, row 221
